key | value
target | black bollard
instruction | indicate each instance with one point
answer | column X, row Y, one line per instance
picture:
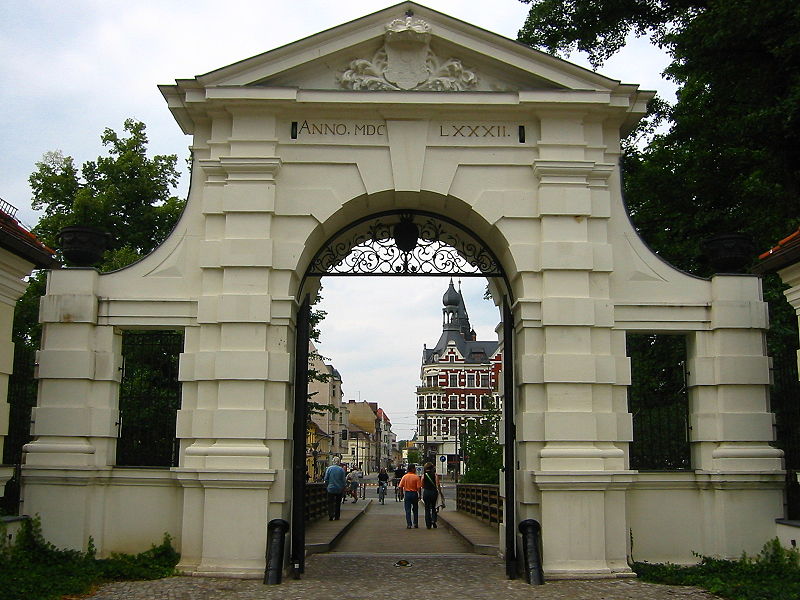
column 531, row 535
column 276, row 533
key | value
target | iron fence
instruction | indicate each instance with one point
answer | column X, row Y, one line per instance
column 481, row 500
column 150, row 396
column 21, row 399
column 785, row 403
column 659, row 403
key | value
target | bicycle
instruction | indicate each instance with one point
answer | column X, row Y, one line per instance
column 398, row 493
column 381, row 491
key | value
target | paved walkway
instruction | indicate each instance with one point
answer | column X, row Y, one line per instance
column 357, row 557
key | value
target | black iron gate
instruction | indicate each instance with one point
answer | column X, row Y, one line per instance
column 659, row 402
column 149, row 398
column 785, row 403
column 21, row 399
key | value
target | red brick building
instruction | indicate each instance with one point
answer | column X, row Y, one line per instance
column 460, row 381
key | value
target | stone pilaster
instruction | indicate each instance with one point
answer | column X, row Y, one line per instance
column 76, row 420
column 584, row 425
column 233, row 423
column 731, row 428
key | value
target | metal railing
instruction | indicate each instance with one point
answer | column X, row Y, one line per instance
column 481, row 500
column 149, row 398
column 316, row 505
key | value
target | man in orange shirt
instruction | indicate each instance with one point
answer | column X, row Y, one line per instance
column 411, row 485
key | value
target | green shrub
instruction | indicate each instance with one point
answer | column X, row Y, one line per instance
column 33, row 569
column 774, row 574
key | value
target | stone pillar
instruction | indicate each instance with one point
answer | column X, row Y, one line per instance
column 580, row 406
column 730, row 424
column 75, row 422
column 234, row 419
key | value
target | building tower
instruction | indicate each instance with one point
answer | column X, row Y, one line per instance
column 460, row 377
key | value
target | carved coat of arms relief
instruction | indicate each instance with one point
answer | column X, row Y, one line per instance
column 406, row 62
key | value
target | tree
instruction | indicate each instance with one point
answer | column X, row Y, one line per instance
column 125, row 193
column 483, row 453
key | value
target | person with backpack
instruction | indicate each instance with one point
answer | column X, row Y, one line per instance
column 411, row 485
column 431, row 490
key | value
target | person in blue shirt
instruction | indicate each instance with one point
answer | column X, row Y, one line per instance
column 335, row 478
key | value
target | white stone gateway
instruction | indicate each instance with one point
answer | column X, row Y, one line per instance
column 406, row 109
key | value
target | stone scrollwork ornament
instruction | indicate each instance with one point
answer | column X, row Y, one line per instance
column 406, row 62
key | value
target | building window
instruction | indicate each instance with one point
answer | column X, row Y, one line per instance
column 453, row 402
column 428, row 403
column 484, row 380
column 470, row 402
column 471, row 380
column 453, row 380
column 421, row 402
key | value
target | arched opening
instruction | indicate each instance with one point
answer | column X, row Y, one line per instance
column 396, row 243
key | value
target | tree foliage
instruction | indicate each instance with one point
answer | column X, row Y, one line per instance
column 125, row 193
column 483, row 453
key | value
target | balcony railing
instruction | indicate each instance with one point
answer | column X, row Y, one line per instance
column 429, row 389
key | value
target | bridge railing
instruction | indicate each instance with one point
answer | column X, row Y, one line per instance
column 316, row 501
column 481, row 500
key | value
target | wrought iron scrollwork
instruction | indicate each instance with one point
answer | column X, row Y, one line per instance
column 371, row 248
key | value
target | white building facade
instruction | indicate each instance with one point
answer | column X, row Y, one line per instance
column 405, row 120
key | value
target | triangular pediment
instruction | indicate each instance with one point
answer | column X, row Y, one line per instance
column 407, row 47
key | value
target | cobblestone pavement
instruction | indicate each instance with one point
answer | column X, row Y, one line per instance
column 374, row 577
column 362, row 567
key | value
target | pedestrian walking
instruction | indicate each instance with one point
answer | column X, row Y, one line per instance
column 353, row 478
column 335, row 478
column 431, row 490
column 411, row 485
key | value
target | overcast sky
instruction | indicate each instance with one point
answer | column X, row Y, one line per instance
column 70, row 69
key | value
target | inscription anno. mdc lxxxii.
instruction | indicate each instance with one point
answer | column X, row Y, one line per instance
column 377, row 128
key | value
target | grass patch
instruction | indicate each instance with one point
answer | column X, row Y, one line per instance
column 774, row 574
column 33, row 569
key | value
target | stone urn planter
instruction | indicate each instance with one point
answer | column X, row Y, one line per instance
column 728, row 252
column 82, row 245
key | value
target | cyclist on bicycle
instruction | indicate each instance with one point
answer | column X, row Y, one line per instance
column 383, row 481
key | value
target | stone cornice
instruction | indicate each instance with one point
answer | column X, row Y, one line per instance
column 264, row 168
